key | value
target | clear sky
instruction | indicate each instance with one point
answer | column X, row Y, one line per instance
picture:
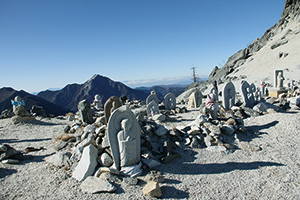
column 49, row 44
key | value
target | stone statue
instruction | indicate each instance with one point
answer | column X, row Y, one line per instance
column 170, row 101
column 97, row 104
column 247, row 94
column 85, row 111
column 195, row 99
column 228, row 96
column 152, row 108
column 110, row 105
column 212, row 105
column 151, row 97
column 279, row 79
column 18, row 107
column 263, row 88
column 215, row 92
column 124, row 138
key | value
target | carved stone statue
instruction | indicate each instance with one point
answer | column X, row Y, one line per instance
column 247, row 94
column 97, row 104
column 228, row 96
column 151, row 97
column 152, row 108
column 215, row 92
column 170, row 101
column 85, row 111
column 278, row 79
column 124, row 138
column 110, row 105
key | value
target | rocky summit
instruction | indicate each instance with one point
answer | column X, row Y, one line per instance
column 236, row 138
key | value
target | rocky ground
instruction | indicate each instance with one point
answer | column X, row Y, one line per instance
column 263, row 165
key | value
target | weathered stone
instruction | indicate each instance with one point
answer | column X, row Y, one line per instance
column 228, row 95
column 170, row 101
column 105, row 160
column 130, row 181
column 159, row 117
column 247, row 94
column 67, row 128
column 161, row 130
column 93, row 185
column 110, row 106
column 10, row 161
column 152, row 108
column 85, row 111
column 155, row 176
column 90, row 128
column 152, row 97
column 227, row 129
column 110, row 177
column 59, row 159
column 87, row 163
column 152, row 189
column 260, row 107
column 8, row 152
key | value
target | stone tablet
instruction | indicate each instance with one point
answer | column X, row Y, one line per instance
column 85, row 111
column 195, row 99
column 170, row 101
column 110, row 105
column 228, row 96
column 247, row 94
column 215, row 92
column 151, row 97
column 124, row 134
column 152, row 108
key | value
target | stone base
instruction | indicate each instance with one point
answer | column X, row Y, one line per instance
column 276, row 93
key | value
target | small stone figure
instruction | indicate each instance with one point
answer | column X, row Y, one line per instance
column 212, row 105
column 152, row 108
column 263, row 88
column 85, row 111
column 280, row 80
column 97, row 104
column 18, row 107
column 247, row 94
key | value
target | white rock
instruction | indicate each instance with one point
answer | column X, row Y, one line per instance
column 87, row 163
column 93, row 185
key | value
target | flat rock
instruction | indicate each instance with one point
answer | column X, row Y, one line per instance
column 59, row 159
column 93, row 185
column 87, row 163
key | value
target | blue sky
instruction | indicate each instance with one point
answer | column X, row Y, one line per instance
column 49, row 44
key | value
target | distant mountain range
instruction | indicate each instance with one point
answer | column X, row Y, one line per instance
column 61, row 101
column 70, row 95
column 7, row 94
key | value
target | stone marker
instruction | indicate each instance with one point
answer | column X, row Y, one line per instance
column 247, row 94
column 170, row 101
column 97, row 104
column 228, row 95
column 110, row 105
column 152, row 108
column 215, row 92
column 195, row 99
column 152, row 97
column 124, row 134
column 85, row 111
column 87, row 164
column 278, row 84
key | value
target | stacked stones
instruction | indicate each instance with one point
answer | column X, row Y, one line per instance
column 20, row 113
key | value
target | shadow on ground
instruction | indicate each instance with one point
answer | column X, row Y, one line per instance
column 29, row 140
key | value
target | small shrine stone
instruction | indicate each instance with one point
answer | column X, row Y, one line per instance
column 110, row 106
column 85, row 111
column 152, row 97
column 247, row 94
column 170, row 101
column 152, row 108
column 228, row 95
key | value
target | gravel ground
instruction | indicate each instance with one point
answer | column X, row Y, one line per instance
column 271, row 173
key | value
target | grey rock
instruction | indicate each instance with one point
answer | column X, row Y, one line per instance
column 59, row 159
column 110, row 177
column 67, row 128
column 260, row 107
column 8, row 153
column 87, row 163
column 161, row 130
column 155, row 176
column 105, row 160
column 93, row 185
column 90, row 128
column 85, row 111
column 61, row 145
column 151, row 163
